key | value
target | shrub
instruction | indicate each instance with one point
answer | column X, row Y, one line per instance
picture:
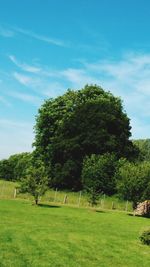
column 145, row 237
column 98, row 173
column 35, row 181
column 134, row 181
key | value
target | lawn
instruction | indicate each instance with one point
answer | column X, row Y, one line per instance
column 63, row 236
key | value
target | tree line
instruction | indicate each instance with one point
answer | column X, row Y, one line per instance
column 82, row 141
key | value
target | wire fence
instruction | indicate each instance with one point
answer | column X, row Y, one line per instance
column 8, row 190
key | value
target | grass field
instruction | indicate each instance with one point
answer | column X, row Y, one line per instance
column 7, row 190
column 62, row 236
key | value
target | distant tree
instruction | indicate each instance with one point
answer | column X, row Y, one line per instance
column 6, row 170
column 143, row 145
column 24, row 161
column 98, row 175
column 14, row 168
column 134, row 181
column 78, row 124
column 35, row 181
column 93, row 195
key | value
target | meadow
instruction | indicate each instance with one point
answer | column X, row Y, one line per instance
column 63, row 236
column 57, row 235
column 77, row 199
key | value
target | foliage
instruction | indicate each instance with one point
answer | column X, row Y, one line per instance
column 134, row 181
column 35, row 181
column 145, row 237
column 143, row 145
column 98, row 174
column 6, row 170
column 14, row 168
column 78, row 124
column 93, row 195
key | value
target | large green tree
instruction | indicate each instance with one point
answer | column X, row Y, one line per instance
column 78, row 124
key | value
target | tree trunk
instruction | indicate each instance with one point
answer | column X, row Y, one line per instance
column 36, row 201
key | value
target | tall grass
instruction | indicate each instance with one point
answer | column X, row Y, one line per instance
column 80, row 199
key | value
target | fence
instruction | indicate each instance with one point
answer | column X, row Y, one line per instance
column 79, row 199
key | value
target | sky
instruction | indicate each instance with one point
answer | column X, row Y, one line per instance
column 48, row 46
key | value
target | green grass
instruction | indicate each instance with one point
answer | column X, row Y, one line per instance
column 63, row 236
column 51, row 196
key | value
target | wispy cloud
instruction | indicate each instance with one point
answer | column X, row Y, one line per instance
column 4, row 101
column 24, row 66
column 12, row 31
column 13, row 124
column 40, row 37
column 23, row 79
column 128, row 78
column 35, row 100
column 53, row 89
column 78, row 77
column 6, row 32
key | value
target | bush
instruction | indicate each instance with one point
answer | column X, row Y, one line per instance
column 145, row 237
column 134, row 181
column 98, row 173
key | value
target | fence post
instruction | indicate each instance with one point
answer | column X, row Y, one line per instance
column 126, row 208
column 65, row 199
column 2, row 190
column 104, row 202
column 55, row 195
column 79, row 198
column 15, row 192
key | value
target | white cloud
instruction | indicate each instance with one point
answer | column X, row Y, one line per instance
column 4, row 101
column 128, row 78
column 14, row 124
column 43, row 38
column 35, row 100
column 78, row 77
column 24, row 66
column 23, row 79
column 53, row 89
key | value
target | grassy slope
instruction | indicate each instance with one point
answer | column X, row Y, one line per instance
column 69, row 237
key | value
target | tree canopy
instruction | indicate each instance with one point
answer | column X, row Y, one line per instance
column 35, row 181
column 14, row 168
column 98, row 173
column 143, row 145
column 78, row 124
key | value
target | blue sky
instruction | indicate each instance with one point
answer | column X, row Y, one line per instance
column 48, row 46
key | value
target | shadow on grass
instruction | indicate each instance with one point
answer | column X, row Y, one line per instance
column 136, row 215
column 95, row 210
column 48, row 206
column 100, row 211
